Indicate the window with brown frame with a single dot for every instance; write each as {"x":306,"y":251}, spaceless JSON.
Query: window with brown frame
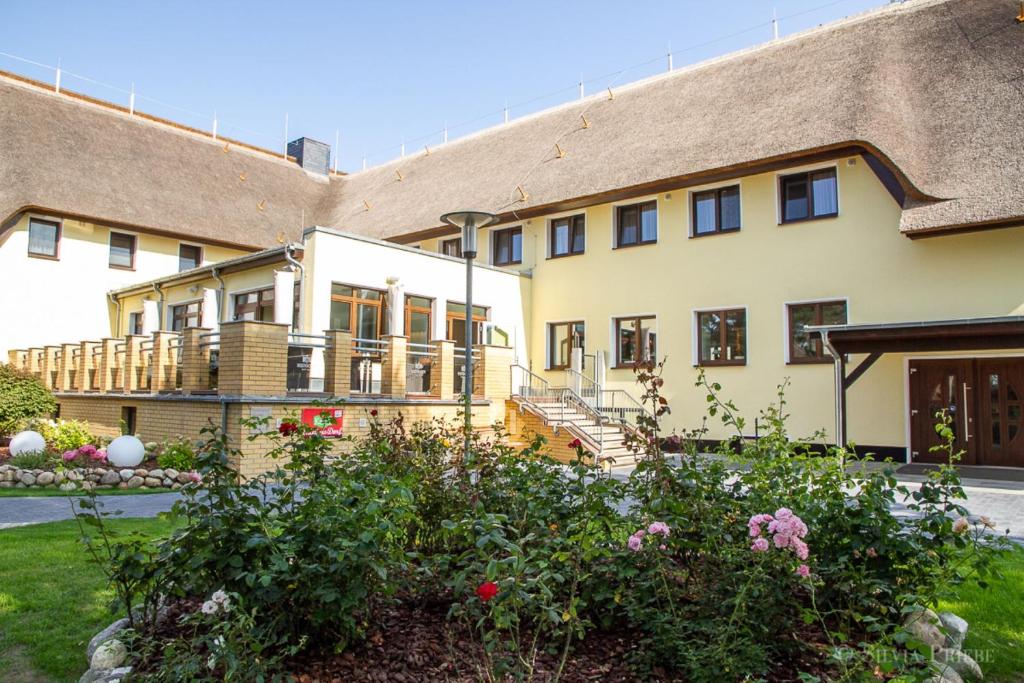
{"x":562,"y":339}
{"x":716,"y":211}
{"x":258,"y":305}
{"x":359,"y":310}
{"x":636,"y":340}
{"x":43,"y":238}
{"x":122,"y":251}
{"x":455,"y":323}
{"x":418,"y":318}
{"x":452,"y":247}
{"x":568,"y":236}
{"x":722,"y":337}
{"x":135,"y":322}
{"x":189,"y":256}
{"x":806,"y":196}
{"x":508,"y":246}
{"x":805,"y":347}
{"x":636,"y":224}
{"x":186,"y":315}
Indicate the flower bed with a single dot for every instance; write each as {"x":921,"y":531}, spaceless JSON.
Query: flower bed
{"x":412,"y":560}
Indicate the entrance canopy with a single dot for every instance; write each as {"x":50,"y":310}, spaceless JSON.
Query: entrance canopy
{"x":875,"y":339}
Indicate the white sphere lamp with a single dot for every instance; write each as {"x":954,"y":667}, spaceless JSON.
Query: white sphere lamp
{"x":27,"y":442}
{"x":125,"y":451}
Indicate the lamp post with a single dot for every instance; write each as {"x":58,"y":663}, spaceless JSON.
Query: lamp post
{"x":469,"y":222}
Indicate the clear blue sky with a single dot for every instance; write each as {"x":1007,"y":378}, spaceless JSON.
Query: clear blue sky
{"x":378,"y":71}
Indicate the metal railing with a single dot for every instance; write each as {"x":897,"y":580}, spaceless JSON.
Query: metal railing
{"x":306,"y":362}
{"x":526,"y":383}
{"x":367,"y":364}
{"x":459,"y":378}
{"x":418,"y":365}
{"x":211,"y":340}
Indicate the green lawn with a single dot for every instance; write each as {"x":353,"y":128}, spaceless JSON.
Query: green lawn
{"x":52,"y":601}
{"x":50,"y":493}
{"x":996,"y":617}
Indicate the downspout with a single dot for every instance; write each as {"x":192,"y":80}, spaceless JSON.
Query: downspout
{"x":837,"y":365}
{"x":160,"y":309}
{"x":220,"y":297}
{"x":114,"y":299}
{"x":289,"y":256}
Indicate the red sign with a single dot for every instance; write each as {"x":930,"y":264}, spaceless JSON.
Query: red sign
{"x":326,"y":421}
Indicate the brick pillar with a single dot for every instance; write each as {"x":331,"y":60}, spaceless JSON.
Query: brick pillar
{"x":338,"y":363}
{"x":85,"y":367}
{"x":495,"y":372}
{"x":253,"y":358}
{"x":18,"y":358}
{"x":49,"y":365}
{"x":65,"y":365}
{"x":442,"y":375}
{"x":132,"y":362}
{"x":392,"y":373}
{"x":32,"y":360}
{"x":195,"y":361}
{"x":107,"y":365}
{"x":165,"y":361}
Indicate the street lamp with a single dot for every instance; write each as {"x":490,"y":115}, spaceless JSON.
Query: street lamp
{"x":469,"y":222}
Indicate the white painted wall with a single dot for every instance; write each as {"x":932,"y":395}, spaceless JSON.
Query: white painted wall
{"x":334,"y":257}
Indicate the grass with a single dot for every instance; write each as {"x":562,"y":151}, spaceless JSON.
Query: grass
{"x":51,"y":493}
{"x":52,"y":600}
{"x":996,"y":634}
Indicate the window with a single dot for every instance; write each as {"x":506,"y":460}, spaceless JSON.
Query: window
{"x":122,"y":251}
{"x":186,"y":315}
{"x":43,"y":238}
{"x":358,"y":310}
{"x":135,"y":322}
{"x":636,"y":224}
{"x":568,"y":236}
{"x":455,"y":323}
{"x":508,"y":246}
{"x":189,"y":256}
{"x":716,"y":211}
{"x":722,"y":337}
{"x":562,"y":339}
{"x":418,"y":319}
{"x":258,"y":306}
{"x":809,"y":195}
{"x":805,"y":347}
{"x":452,"y":247}
{"x":636,"y":340}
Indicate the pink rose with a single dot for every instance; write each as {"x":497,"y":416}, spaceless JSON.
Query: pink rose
{"x":635,"y":543}
{"x":87,"y":450}
{"x":803,"y":570}
{"x":195,"y":477}
{"x":68,"y":456}
{"x":99,"y":455}
{"x":659,"y":528}
{"x":760,"y":545}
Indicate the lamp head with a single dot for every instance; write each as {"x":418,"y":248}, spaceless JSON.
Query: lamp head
{"x":469,"y":222}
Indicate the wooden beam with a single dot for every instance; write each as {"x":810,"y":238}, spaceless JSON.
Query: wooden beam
{"x":861,"y":369}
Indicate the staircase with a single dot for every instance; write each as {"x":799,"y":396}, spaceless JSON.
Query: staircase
{"x":564,"y":411}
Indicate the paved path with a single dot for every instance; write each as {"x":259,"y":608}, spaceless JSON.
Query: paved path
{"x":999,"y":500}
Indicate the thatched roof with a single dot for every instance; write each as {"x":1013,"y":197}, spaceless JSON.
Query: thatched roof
{"x":933,"y":88}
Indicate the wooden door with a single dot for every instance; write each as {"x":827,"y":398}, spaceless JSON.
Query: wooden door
{"x":935,"y":386}
{"x":1000,"y":405}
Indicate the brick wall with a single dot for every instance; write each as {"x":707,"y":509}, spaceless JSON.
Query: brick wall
{"x":523,"y":425}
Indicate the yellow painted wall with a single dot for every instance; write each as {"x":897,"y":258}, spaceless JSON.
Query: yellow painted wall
{"x":53,"y":301}
{"x":859,"y":255}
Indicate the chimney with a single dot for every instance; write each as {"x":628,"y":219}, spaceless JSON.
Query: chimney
{"x":312,"y":155}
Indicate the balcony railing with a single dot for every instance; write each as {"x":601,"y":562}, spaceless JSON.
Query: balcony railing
{"x":459,"y":380}
{"x":211,"y":341}
{"x":367,"y":365}
{"x":419,"y":362}
{"x":306,"y":362}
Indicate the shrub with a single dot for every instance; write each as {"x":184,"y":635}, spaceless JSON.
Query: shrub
{"x":31,"y":461}
{"x":178,"y":455}
{"x":67,"y":435}
{"x":21,"y":396}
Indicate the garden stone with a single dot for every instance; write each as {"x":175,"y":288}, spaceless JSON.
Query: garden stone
{"x":68,"y":486}
{"x":142,"y":473}
{"x":106,"y":634}
{"x":962,"y":664}
{"x":136,"y":482}
{"x":924,"y":626}
{"x":123,"y":485}
{"x":183,"y":478}
{"x":59,"y":477}
{"x":956,"y":630}
{"x":74,"y":475}
{"x":171,"y":473}
{"x":110,"y":478}
{"x":45,"y":478}
{"x":20,"y":485}
{"x":166,"y":482}
{"x":92,"y":477}
{"x":152,"y":482}
{"x":6,"y":484}
{"x":156,"y":474}
{"x":175,"y":486}
{"x":109,"y":655}
{"x":27,"y":478}
{"x":100,"y":471}
{"x":88,"y":486}
{"x":126,"y":474}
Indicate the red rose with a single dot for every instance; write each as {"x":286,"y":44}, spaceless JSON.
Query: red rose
{"x":487,"y":590}
{"x":288,"y":428}
{"x":373,"y":413}
{"x":575,"y":443}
